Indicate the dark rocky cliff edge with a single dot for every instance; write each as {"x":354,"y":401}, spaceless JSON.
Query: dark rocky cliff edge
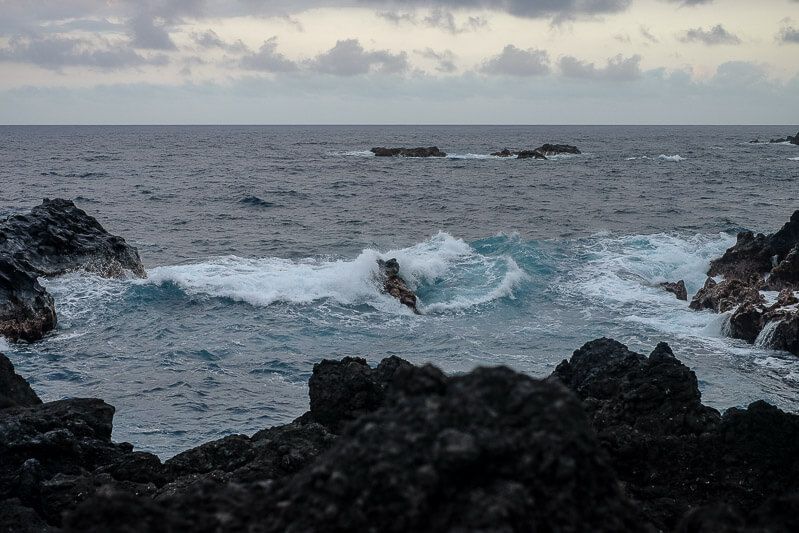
{"x":612,"y":441}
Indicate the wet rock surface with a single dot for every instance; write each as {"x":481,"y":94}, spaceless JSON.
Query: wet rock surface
{"x":405,"y":448}
{"x":14,"y":390}
{"x":394,"y":285}
{"x":56,"y":237}
{"x":677,"y":289}
{"x":758,"y":262}
{"x":431,"y":151}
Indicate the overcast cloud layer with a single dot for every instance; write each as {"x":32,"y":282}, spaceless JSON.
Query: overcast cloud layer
{"x":417,"y":61}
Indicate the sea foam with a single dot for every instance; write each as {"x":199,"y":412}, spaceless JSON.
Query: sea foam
{"x":435,"y":261}
{"x":674,"y":158}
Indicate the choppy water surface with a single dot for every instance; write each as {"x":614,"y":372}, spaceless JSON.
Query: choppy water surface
{"x":260,"y":243}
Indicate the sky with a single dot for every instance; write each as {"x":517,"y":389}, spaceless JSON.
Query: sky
{"x":399,"y":62}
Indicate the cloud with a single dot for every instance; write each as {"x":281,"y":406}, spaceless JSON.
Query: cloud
{"x":648,"y":35}
{"x":788,"y":35}
{"x":55,"y":53}
{"x":268,"y":59}
{"x":715,"y":35}
{"x":445,"y":60}
{"x":445,"y":20}
{"x":148,"y":33}
{"x":618,"y":68}
{"x":209,"y":39}
{"x":690,"y":2}
{"x":348,"y":58}
{"x":513,"y":61}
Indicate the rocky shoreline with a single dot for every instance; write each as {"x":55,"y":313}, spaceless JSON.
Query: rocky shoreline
{"x":612,"y":441}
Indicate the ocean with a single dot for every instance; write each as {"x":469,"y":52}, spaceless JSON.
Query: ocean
{"x":261,"y":246}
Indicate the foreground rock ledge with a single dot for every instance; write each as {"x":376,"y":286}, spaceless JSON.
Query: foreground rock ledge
{"x":612,"y":441}
{"x":56,"y":237}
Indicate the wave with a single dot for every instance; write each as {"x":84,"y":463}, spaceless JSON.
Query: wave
{"x":793,"y":159}
{"x":622,"y":274}
{"x":446,"y":272}
{"x":476,"y":156}
{"x":353,"y":153}
{"x":674,"y":158}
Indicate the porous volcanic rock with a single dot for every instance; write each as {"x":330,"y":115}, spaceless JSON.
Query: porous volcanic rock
{"x":54,"y":238}
{"x":14,"y":390}
{"x":393,"y":284}
{"x":676,"y":288}
{"x":431,"y":151}
{"x":724,"y":296}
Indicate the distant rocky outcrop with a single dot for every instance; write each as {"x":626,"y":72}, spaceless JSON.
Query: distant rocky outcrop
{"x":557,"y":149}
{"x":56,"y":237}
{"x":404,"y":448}
{"x":432,"y":151}
{"x":530,"y":154}
{"x":755,"y":263}
{"x":788,"y":139}
{"x":393,"y":284}
{"x":539,"y":153}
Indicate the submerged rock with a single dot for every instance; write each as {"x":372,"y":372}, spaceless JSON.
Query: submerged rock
{"x":393,"y":284}
{"x":54,"y":238}
{"x":432,"y":151}
{"x":676,"y":288}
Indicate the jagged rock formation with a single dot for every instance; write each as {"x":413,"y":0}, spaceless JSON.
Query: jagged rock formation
{"x":432,"y":151}
{"x":625,"y":445}
{"x":56,"y":237}
{"x":676,"y":288}
{"x":758,"y":262}
{"x":393,"y":284}
{"x":539,"y":153}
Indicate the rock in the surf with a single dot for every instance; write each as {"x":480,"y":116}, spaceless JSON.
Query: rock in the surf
{"x":676,"y":288}
{"x":557,"y":149}
{"x":431,"y":151}
{"x":503,"y":153}
{"x":27,"y":310}
{"x":786,"y":274}
{"x":530,"y":154}
{"x":757,"y":254}
{"x":56,"y":237}
{"x":726,"y":295}
{"x":393,"y":284}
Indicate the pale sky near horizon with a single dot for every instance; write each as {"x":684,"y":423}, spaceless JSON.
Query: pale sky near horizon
{"x":383,"y":61}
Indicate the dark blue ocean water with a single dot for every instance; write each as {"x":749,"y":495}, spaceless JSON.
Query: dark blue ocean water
{"x":260,"y":243}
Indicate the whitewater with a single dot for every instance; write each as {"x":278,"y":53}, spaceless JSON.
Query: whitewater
{"x":261,"y":248}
